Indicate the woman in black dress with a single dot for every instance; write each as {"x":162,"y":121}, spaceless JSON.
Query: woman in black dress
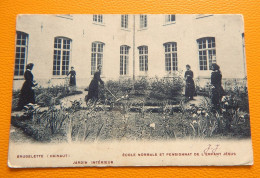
{"x":190,"y":86}
{"x":27,"y":93}
{"x":72,"y":74}
{"x":93,"y":87}
{"x":217,"y":90}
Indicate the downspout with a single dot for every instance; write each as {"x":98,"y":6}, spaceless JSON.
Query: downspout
{"x":133,"y":47}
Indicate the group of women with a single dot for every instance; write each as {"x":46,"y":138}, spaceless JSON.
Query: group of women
{"x":216,"y":85}
{"x":27,"y":93}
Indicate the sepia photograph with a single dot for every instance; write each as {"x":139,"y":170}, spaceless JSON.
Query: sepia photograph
{"x":130,"y":90}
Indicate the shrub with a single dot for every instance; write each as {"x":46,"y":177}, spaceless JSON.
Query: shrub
{"x":166,"y":88}
{"x":117,"y":88}
{"x":46,"y":96}
{"x":141,"y":85}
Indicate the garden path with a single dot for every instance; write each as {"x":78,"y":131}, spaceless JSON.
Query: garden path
{"x":80,"y":97}
{"x":199,"y":100}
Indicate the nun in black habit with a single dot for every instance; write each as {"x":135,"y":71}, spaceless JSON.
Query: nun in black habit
{"x":27,"y":93}
{"x":94,"y":85}
{"x":217,"y":89}
{"x":190,"y":86}
{"x":72,"y":74}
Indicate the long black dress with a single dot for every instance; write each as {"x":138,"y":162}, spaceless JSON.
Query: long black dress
{"x":190,"y":86}
{"x":72,"y":74}
{"x":93,"y":87}
{"x":217,"y":90}
{"x":27,"y":93}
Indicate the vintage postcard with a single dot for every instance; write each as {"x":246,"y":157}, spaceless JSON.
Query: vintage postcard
{"x":129,"y":90}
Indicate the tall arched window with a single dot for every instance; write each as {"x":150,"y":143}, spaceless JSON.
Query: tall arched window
{"x":96,"y":55}
{"x":143,"y":58}
{"x":171,"y":59}
{"x":124,"y":59}
{"x":21,"y":53}
{"x":61,"y":55}
{"x":207,"y":52}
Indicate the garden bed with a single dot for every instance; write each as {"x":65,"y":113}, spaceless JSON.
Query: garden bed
{"x":137,"y":111}
{"x":119,"y":124}
{"x":46,"y":96}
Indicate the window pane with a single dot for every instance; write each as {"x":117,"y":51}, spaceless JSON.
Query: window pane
{"x":20,"y":53}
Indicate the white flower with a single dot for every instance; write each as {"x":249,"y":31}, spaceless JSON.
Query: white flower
{"x":199,"y":112}
{"x":206,"y":114}
{"x":194,"y":115}
{"x":152,"y":125}
{"x":194,"y":122}
{"x":226,"y":103}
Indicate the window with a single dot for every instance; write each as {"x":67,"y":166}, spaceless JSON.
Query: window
{"x":170,"y":18}
{"x":124,"y":21}
{"x":143,"y":58}
{"x":61,"y":56}
{"x":171,"y":60}
{"x":143,"y":21}
{"x":65,"y":16}
{"x":207,"y":52}
{"x":199,"y":16}
{"x":20,"y":53}
{"x":98,"y":18}
{"x":96,"y":56}
{"x":124,"y":56}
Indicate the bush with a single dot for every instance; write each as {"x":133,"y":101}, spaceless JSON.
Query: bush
{"x":117,"y":88}
{"x":46,"y":96}
{"x":141,"y":85}
{"x":166,"y":88}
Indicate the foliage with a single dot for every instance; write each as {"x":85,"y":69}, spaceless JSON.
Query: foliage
{"x":129,"y":118}
{"x":141,"y":86}
{"x":166,"y":88}
{"x":46,"y":96}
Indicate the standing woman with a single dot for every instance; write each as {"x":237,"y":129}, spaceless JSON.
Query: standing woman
{"x":190,"y":86}
{"x":217,"y":90}
{"x":27,"y":93}
{"x":72,"y":74}
{"x":93,"y":87}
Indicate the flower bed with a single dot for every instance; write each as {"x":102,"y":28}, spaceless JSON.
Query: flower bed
{"x":46,"y":96}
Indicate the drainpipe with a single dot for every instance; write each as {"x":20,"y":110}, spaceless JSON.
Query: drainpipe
{"x":133,"y":47}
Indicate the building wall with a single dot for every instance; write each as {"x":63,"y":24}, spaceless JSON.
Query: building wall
{"x":42,"y":29}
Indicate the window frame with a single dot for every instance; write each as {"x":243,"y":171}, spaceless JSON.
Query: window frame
{"x":171,"y":62}
{"x":124,"y":60}
{"x":60,"y":59}
{"x":95,"y":56}
{"x":98,"y":19}
{"x":207,"y":55}
{"x":124,"y":21}
{"x":168,"y":22}
{"x":25,"y":46}
{"x":143,"y":21}
{"x":143,"y":58}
